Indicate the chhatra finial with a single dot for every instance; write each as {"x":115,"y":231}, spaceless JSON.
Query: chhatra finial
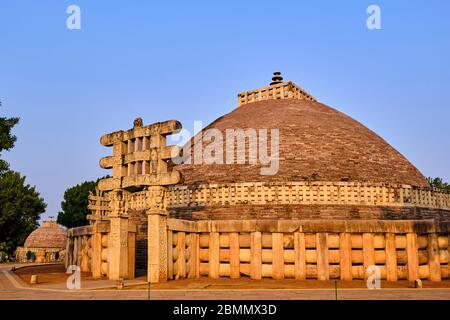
{"x":277,"y":78}
{"x":278,"y":89}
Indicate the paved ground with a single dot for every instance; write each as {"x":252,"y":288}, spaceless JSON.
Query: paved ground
{"x":12,"y":287}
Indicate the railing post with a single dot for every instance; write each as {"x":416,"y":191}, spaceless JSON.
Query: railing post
{"x":96,"y":252}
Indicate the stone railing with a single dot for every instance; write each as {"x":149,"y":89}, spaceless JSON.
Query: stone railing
{"x":87,"y":247}
{"x":259,"y":193}
{"x":182,"y":249}
{"x":403,"y":250}
{"x":284,"y":90}
{"x":291,"y":249}
{"x":79,"y":248}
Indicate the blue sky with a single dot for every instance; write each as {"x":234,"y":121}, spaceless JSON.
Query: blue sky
{"x":187,"y":60}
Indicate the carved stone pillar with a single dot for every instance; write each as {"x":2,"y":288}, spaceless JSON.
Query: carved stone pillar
{"x":118,"y":238}
{"x":118,"y":248}
{"x":96,"y":251}
{"x":157,"y":234}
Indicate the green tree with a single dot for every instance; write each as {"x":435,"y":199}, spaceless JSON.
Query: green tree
{"x":74,"y":206}
{"x":438,"y":183}
{"x":20,"y":208}
{"x":20,"y":204}
{"x":7,"y":140}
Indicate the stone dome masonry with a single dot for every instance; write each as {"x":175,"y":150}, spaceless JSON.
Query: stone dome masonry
{"x":49,"y":235}
{"x":317,"y":143}
{"x":48,"y":243}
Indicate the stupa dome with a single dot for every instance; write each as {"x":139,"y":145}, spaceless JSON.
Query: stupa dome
{"x":48,"y":235}
{"x":329,"y":165}
{"x":316,"y":143}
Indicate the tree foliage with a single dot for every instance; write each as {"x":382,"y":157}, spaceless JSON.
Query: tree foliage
{"x":7,"y":139}
{"x":20,"y":204}
{"x":20,"y":208}
{"x":74,"y":206}
{"x":438,"y":183}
